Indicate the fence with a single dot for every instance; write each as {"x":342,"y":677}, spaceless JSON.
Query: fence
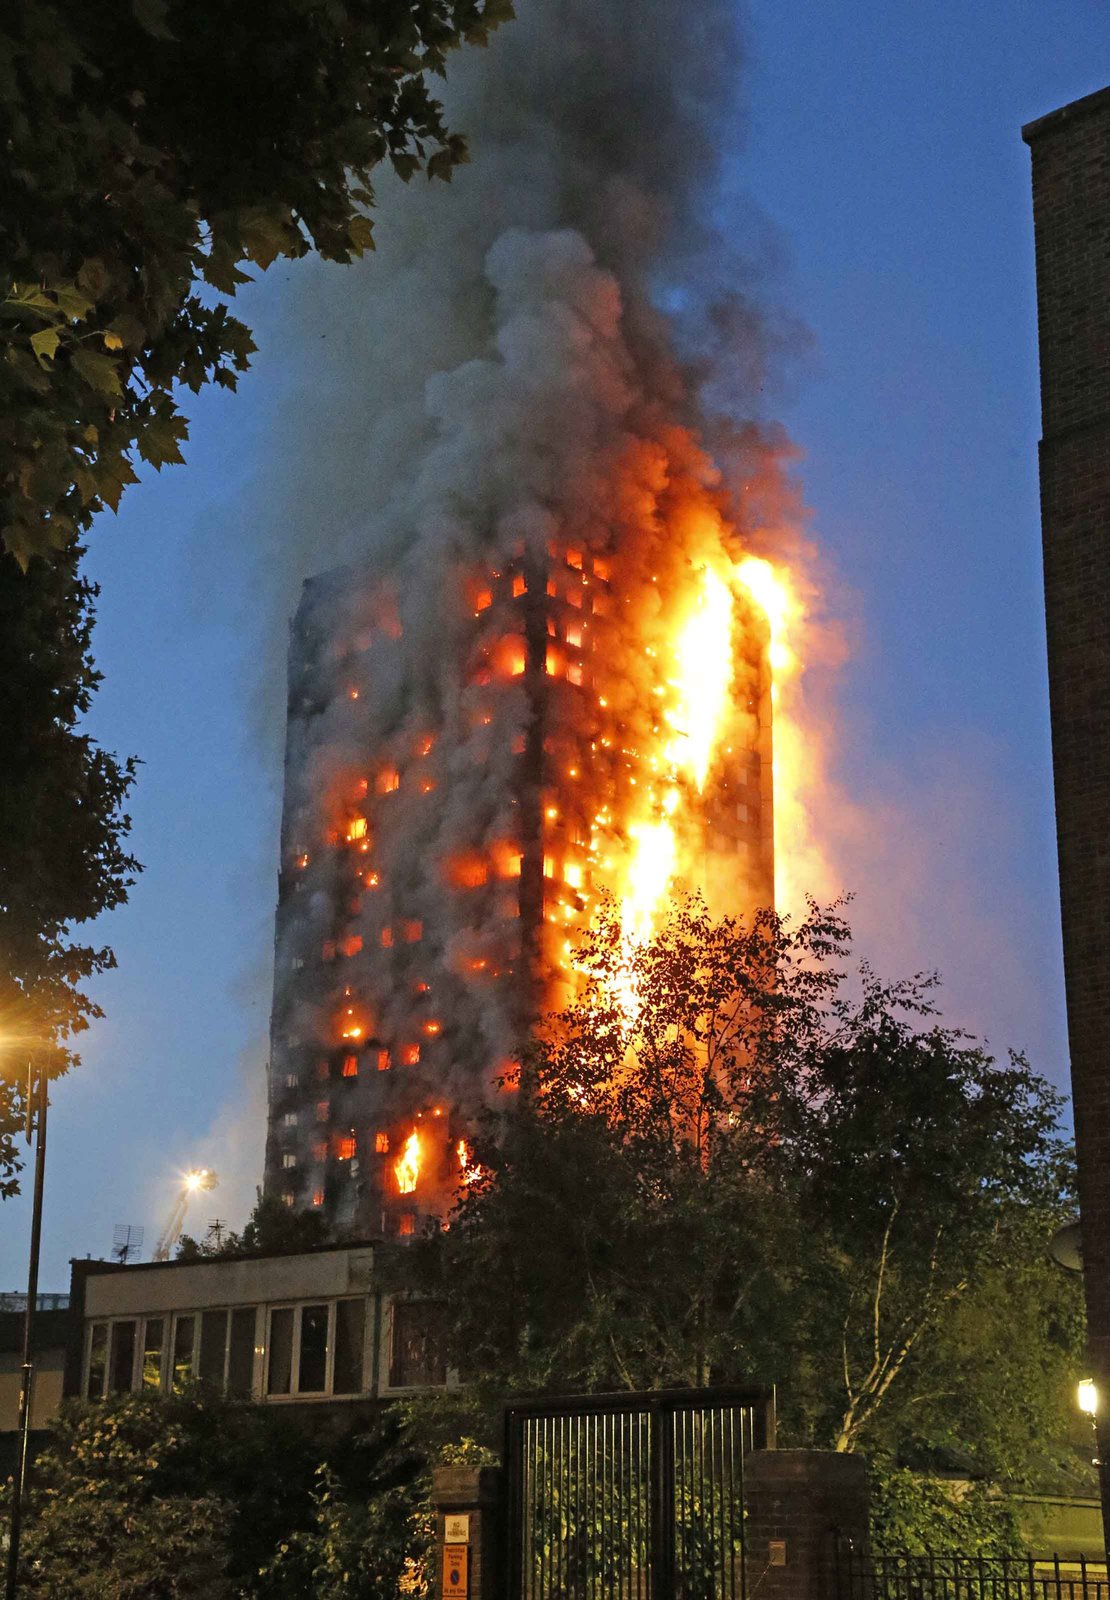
{"x":631,"y":1497}
{"x":953,"y":1577}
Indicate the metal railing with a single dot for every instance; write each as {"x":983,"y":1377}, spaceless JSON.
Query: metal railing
{"x":862,"y":1576}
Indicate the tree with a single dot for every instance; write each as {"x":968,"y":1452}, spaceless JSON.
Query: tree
{"x":61,"y":825}
{"x":153,"y":151}
{"x":271,"y":1229}
{"x":732,"y":1159}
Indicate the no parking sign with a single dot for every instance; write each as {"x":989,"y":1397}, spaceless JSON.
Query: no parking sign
{"x":454,"y":1571}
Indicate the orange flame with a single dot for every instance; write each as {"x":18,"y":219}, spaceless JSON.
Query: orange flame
{"x":406,"y":1169}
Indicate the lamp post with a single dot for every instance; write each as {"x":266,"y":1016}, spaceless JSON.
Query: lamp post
{"x":1086,"y":1395}
{"x":36,"y":1111}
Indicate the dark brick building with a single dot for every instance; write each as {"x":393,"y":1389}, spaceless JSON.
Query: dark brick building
{"x":1071,"y":203}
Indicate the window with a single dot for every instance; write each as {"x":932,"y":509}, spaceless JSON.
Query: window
{"x":123,"y":1357}
{"x":184,"y":1330}
{"x":345,"y":1147}
{"x":291,"y":1080}
{"x":406,"y":1224}
{"x":289,"y":1120}
{"x":384,"y":1062}
{"x":98,"y":1361}
{"x":213,"y":1348}
{"x":153,"y":1335}
{"x":418,"y":1356}
{"x":350,"y":1066}
{"x":240,"y":1352}
{"x":410,"y":1055}
{"x":322,"y":1110}
{"x":279,"y":1372}
{"x":350,"y":1331}
{"x":288,"y":1160}
{"x":381,"y":1143}
{"x":312,"y":1368}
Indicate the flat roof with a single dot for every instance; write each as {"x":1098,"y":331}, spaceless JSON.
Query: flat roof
{"x":1055,"y":119}
{"x":92,"y":1264}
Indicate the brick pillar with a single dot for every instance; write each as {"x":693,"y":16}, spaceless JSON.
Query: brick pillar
{"x":473,"y":1494}
{"x":1071,"y":214}
{"x":800,"y":1505}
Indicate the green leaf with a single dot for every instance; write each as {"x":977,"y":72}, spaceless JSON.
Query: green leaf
{"x":71,"y":303}
{"x":264,"y":233}
{"x":360,"y":232}
{"x":158,"y":442}
{"x":99,"y":371}
{"x":404,"y":165}
{"x":45,"y":344}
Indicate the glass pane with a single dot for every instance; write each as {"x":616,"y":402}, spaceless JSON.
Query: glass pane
{"x":98,"y":1360}
{"x":279,"y":1376}
{"x":240,"y":1361}
{"x":152,"y":1353}
{"x":350,"y":1324}
{"x":213,"y":1347}
{"x":123,"y":1356}
{"x":312,"y":1375}
{"x":182,"y":1351}
{"x":418,"y":1358}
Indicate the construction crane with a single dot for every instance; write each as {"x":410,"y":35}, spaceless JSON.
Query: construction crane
{"x":191,"y":1184}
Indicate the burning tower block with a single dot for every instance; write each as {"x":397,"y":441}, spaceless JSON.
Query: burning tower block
{"x":466,"y":778}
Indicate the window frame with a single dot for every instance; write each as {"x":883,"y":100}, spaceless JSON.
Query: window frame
{"x":297,"y":1395}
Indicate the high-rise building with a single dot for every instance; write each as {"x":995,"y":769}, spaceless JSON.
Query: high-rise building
{"x":1071,"y":207}
{"x":458,"y":798}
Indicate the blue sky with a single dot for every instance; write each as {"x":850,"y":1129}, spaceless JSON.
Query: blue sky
{"x":883,"y":146}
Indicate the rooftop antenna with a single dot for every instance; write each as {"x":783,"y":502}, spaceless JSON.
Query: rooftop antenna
{"x":127,"y":1242}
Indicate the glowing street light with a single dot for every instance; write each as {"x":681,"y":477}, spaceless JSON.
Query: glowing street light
{"x":1086,"y":1396}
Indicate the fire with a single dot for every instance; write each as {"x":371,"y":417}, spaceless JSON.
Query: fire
{"x":406,"y":1169}
{"x":468,"y":1172}
{"x":703,"y":652}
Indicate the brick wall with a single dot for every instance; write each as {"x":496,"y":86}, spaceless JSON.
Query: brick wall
{"x":800,"y":1507}
{"x":1071,"y":204}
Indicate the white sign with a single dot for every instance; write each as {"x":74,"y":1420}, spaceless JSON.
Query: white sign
{"x":456,"y":1529}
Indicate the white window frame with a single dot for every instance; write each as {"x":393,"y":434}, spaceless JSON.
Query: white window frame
{"x":296,"y":1395}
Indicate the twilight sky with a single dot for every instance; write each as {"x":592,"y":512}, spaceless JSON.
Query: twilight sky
{"x":883,"y":147}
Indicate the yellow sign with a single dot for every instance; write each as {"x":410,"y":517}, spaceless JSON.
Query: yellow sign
{"x":454,"y":1571}
{"x":456,"y":1528}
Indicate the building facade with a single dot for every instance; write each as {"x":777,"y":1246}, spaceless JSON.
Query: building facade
{"x":455,"y":809}
{"x":1070,"y":151}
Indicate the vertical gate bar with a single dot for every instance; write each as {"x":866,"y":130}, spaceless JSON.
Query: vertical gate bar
{"x":732,"y":1505}
{"x":560,"y":1508}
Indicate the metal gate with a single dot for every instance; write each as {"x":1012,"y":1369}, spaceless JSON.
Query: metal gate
{"x":631,"y":1496}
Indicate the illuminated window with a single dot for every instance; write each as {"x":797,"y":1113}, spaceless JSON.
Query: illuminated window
{"x":549,"y":866}
{"x":552,"y":588}
{"x":519,"y":585}
{"x":553,"y":663}
{"x":386,"y":937}
{"x":384,"y":1063}
{"x":290,"y":1119}
{"x":469,"y":872}
{"x":388,"y":780}
{"x":574,"y":559}
{"x":287,"y":1198}
{"x":289,"y":1159}
{"x":350,"y":1066}
{"x":351,"y":945}
{"x":406,"y":1224}
{"x":574,"y":634}
{"x":602,"y":604}
{"x":573,"y":875}
{"x":345,"y":1147}
{"x":362,"y":788}
{"x":356,"y":829}
{"x":551,"y":629}
{"x":518,"y":745}
{"x":410,"y":1055}
{"x":601,"y":569}
{"x":574,"y":597}
{"x":317,"y":1197}
{"x":381,"y":1143}
{"x":483,"y":601}
{"x":574,"y":673}
{"x":291,"y":1080}
{"x":412,"y":931}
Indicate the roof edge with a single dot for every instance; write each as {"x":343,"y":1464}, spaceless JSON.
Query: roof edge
{"x":1064,"y":114}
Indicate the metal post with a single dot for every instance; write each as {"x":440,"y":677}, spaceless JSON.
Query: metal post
{"x":28,"y":1367}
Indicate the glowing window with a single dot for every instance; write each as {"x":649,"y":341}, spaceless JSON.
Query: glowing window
{"x":386,"y":937}
{"x":356,"y":829}
{"x":469,"y":872}
{"x":406,"y":1224}
{"x":549,"y":866}
{"x":573,"y":875}
{"x":412,"y":931}
{"x":574,"y":634}
{"x":574,"y":559}
{"x":483,"y":600}
{"x":289,"y":1159}
{"x":574,"y":598}
{"x":553,"y":663}
{"x":290,"y":1119}
{"x":317,"y":1197}
{"x":520,"y":585}
{"x":518,"y":745}
{"x":388,"y":780}
{"x":552,"y":632}
{"x":381,"y":1143}
{"x":351,"y":945}
{"x":574,"y":673}
{"x":602,"y":604}
{"x":410,"y":1055}
{"x":345,"y":1148}
{"x":350,"y":1066}
{"x":601,"y":569}
{"x":552,"y":588}
{"x":384,"y":1063}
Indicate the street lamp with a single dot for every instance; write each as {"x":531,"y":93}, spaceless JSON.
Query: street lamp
{"x":1086,"y":1395}
{"x":37,"y":1099}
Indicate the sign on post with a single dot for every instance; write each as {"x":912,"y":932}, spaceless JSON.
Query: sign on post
{"x":454,"y":1571}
